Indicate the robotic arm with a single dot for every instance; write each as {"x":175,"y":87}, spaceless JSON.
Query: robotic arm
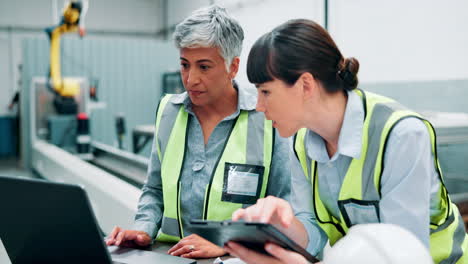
{"x":65,"y":89}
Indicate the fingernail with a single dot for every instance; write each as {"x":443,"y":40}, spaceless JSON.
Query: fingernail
{"x":269,"y":247}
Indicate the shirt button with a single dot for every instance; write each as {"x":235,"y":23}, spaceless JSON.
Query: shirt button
{"x":329,"y":165}
{"x":198,"y":165}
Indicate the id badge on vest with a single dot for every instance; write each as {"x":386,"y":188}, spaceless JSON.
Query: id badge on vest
{"x":242,"y":183}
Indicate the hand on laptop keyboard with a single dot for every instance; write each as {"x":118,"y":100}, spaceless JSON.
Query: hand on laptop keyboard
{"x":128,"y":238}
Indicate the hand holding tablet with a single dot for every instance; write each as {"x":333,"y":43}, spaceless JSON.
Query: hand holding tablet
{"x":252,"y":235}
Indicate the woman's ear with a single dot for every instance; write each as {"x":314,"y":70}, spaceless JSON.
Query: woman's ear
{"x":309,"y":84}
{"x":234,"y":68}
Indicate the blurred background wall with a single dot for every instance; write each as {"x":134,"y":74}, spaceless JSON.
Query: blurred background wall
{"x":414,"y":51}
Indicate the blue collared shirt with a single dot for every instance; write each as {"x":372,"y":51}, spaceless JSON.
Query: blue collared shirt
{"x":199,"y":163}
{"x":409,"y":163}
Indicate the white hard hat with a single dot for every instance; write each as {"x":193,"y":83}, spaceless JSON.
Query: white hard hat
{"x":378,"y":243}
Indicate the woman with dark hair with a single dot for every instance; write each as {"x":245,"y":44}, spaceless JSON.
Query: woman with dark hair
{"x":365,"y":158}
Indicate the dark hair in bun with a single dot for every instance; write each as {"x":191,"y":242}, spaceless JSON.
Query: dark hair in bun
{"x":300,"y":46}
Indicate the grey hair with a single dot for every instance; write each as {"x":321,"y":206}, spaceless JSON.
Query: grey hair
{"x":211,"y":27}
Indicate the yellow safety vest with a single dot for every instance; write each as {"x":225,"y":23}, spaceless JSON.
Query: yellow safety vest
{"x":362,"y":187}
{"x":249,"y":143}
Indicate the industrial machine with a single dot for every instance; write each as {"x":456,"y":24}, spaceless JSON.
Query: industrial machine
{"x":65,"y":89}
{"x":111,"y":177}
{"x":68,"y":125}
{"x":61,"y":146}
{"x":143,"y":134}
{"x":172,"y":83}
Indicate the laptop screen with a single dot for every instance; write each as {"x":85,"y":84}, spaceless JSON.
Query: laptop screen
{"x":45,"y":222}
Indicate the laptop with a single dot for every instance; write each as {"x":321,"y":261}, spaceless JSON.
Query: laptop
{"x":48,"y":222}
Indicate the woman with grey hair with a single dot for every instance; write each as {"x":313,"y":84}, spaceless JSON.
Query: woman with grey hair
{"x":212,"y":152}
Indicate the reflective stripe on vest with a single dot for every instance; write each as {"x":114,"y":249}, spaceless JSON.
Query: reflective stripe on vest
{"x":250,"y":141}
{"x":361,"y":185}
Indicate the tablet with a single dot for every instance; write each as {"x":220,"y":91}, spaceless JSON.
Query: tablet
{"x":252,"y":235}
